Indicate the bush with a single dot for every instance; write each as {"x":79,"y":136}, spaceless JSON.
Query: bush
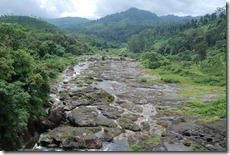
{"x":170,"y":80}
{"x":153,"y":60}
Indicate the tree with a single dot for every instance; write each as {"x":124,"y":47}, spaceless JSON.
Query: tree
{"x":201,"y":48}
{"x":153,"y":60}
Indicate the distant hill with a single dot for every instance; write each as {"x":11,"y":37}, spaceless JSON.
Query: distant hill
{"x":173,"y":18}
{"x":132,"y":15}
{"x":120,"y":26}
{"x":67,"y":22}
{"x":30,"y":22}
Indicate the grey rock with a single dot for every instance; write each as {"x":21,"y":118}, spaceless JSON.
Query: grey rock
{"x":176,"y":147}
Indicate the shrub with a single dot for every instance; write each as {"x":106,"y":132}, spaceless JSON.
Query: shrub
{"x":153,"y":60}
{"x":170,"y":80}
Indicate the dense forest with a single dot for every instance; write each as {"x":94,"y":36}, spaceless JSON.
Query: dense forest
{"x":195,"y":49}
{"x":31,"y":57}
{"x":33,"y":53}
{"x":121,"y":26}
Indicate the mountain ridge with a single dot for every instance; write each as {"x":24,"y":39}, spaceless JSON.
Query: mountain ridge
{"x":131,"y":15}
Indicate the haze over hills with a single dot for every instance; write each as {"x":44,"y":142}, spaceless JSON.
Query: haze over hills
{"x":31,"y":23}
{"x":66,"y":22}
{"x":130,"y":15}
{"x":119,"y":26}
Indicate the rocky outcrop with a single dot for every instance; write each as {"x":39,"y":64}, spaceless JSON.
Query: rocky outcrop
{"x":56,"y":117}
{"x":89,"y":117}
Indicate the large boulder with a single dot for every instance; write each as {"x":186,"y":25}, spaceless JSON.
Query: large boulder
{"x":72,"y":138}
{"x":110,"y":111}
{"x":89,"y":117}
{"x":55,"y":117}
{"x":127,"y":121}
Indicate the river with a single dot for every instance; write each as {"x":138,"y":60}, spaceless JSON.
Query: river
{"x":111,"y":105}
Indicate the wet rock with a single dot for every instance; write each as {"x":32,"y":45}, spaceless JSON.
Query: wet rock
{"x":69,"y":70}
{"x":207,"y":134}
{"x":88,"y":117}
{"x":82,"y":103}
{"x":103,"y":121}
{"x":141,"y":101}
{"x":55,"y":117}
{"x":145,"y":126}
{"x":110,"y":133}
{"x":71,"y":138}
{"x":52,"y":145}
{"x":65,"y":82}
{"x":110,"y":112}
{"x":73,"y":143}
{"x":131,"y":107}
{"x":45,"y":140}
{"x":83,"y":117}
{"x":176,"y":147}
{"x":92,"y":142}
{"x":127,"y":121}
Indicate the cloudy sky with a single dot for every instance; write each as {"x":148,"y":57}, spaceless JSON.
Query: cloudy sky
{"x":94,"y":9}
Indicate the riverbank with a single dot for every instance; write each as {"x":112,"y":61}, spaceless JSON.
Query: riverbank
{"x":110,"y":104}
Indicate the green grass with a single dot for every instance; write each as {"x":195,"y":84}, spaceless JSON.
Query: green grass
{"x":88,"y":81}
{"x":105,"y":97}
{"x":153,"y":140}
{"x":200,"y":91}
{"x":215,"y":108}
{"x":71,"y":134}
{"x":135,"y":148}
{"x":170,"y":80}
{"x":170,"y":77}
{"x":80,"y":84}
{"x":197,"y":147}
{"x":85,"y":98}
{"x":208,"y":119}
{"x":88,"y":131}
{"x":174,"y":73}
{"x":209,"y":112}
{"x":108,"y":99}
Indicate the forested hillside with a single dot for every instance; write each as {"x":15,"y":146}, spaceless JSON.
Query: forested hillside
{"x":67,"y":22}
{"x":31,"y":22}
{"x":29,"y":60}
{"x":196,"y":49}
{"x":119,"y":27}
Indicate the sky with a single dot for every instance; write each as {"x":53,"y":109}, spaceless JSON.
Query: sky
{"x":95,"y":9}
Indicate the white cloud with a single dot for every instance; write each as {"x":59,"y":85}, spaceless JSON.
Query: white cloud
{"x":82,"y":8}
{"x":94,"y":9}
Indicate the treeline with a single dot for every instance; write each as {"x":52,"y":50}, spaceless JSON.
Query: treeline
{"x":199,"y":43}
{"x":29,"y":60}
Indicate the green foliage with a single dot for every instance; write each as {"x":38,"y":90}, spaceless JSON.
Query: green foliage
{"x":29,"y":60}
{"x":210,"y":112}
{"x":199,"y":44}
{"x":197,"y":147}
{"x":105,"y":97}
{"x":171,"y":80}
{"x":200,"y":91}
{"x":108,"y":99}
{"x":30,"y":23}
{"x":209,"y":120}
{"x":135,"y":148}
{"x":153,"y":60}
{"x":216,"y":108}
{"x":153,"y":140}
{"x":71,"y":134}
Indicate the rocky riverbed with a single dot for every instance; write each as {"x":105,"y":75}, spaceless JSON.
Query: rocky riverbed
{"x":108,"y":104}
